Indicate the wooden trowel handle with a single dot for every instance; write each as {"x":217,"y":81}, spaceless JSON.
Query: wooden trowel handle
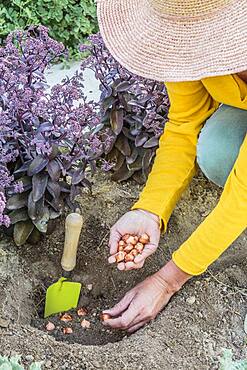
{"x":73,"y":226}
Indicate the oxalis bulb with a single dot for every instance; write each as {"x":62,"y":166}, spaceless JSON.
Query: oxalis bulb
{"x":104,"y":316}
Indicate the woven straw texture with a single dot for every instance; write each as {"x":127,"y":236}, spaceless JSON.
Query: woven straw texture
{"x":176,"y":40}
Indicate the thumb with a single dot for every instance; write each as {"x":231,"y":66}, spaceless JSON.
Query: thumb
{"x":115,"y":236}
{"x":121,"y":306}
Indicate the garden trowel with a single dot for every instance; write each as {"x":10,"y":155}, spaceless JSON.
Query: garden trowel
{"x":64,"y":294}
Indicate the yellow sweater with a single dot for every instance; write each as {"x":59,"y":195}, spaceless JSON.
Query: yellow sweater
{"x":191,"y":104}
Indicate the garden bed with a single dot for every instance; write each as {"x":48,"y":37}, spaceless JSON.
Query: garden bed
{"x":206,"y":316}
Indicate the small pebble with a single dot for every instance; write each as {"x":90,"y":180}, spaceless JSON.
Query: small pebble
{"x":29,"y":358}
{"x":191,"y":300}
{"x":4,"y":323}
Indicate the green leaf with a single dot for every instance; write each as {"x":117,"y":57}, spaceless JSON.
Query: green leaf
{"x":22,"y":230}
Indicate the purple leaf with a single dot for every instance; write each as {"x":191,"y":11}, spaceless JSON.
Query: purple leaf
{"x":37,"y":165}
{"x":39,"y":182}
{"x":122,"y":144}
{"x":35,"y":209}
{"x":154,"y":141}
{"x":54,"y":170}
{"x":116,"y":120}
{"x":23,"y":167}
{"x":123,"y":86}
{"x":77,"y":176}
{"x":18,"y":215}
{"x":131,"y":159}
{"x":141,"y":139}
{"x":137,"y":165}
{"x":54,"y":189}
{"x":122,"y":174}
{"x":147,"y":158}
{"x":17,"y":201}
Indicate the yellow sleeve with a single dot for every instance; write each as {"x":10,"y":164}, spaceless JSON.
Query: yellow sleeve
{"x":174,"y":164}
{"x":224,"y":224}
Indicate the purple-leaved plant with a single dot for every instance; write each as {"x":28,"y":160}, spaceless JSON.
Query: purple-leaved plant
{"x":48,"y":138}
{"x":133,"y":113}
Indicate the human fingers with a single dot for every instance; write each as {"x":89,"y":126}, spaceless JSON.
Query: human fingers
{"x":121,"y":305}
{"x":135,"y":327}
{"x":115,"y":236}
{"x":133,"y":266}
{"x":148,"y":250}
{"x":125,"y":320}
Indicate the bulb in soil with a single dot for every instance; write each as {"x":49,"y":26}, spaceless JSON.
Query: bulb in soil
{"x":85,"y":324}
{"x":144,"y":238}
{"x":128,"y":248}
{"x":82,"y":311}
{"x":139,"y":247}
{"x":120,"y":256}
{"x":129,"y":258}
{"x":50,"y":326}
{"x":66,"y":317}
{"x":67,"y":330}
{"x":104,"y":316}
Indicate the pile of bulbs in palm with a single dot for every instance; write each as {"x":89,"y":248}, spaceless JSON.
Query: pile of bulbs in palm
{"x":130,"y":246}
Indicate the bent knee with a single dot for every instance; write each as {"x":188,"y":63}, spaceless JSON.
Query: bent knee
{"x":219,"y":143}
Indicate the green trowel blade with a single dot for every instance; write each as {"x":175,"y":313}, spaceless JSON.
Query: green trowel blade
{"x":61,"y":296}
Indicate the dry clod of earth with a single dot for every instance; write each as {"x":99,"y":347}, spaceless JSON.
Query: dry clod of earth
{"x":184,"y":336}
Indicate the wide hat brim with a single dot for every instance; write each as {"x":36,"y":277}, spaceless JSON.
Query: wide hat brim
{"x":165,"y":48}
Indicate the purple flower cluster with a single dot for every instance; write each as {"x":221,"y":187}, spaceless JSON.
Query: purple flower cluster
{"x":42,"y":130}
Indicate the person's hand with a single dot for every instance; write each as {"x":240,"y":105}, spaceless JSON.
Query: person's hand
{"x":136,"y":222}
{"x":142,"y":303}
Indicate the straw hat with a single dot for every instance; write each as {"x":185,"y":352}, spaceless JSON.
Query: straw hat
{"x":176,"y":40}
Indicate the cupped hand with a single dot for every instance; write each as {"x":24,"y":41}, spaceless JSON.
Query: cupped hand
{"x":143,"y":303}
{"x":136,"y":222}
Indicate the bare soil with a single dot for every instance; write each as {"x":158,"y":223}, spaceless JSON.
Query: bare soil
{"x":206,"y":316}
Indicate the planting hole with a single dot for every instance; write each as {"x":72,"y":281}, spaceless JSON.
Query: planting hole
{"x":102,"y":287}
